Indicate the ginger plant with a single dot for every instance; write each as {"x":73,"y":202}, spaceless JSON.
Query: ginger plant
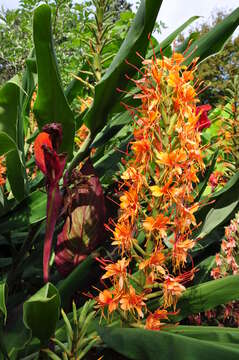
{"x":80,"y":339}
{"x":153,"y":232}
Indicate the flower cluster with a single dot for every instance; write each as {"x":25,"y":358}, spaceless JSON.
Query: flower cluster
{"x":226,"y":263}
{"x":154,"y":229}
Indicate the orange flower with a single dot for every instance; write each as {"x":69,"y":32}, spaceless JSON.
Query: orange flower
{"x":118,"y":271}
{"x":187,"y":76}
{"x":153,"y":321}
{"x":166,"y":190}
{"x":132,"y":302}
{"x":172,"y":291}
{"x":108,"y":298}
{"x":159,"y":223}
{"x":132,"y":175}
{"x":129,"y":203}
{"x":123,"y":236}
{"x":142,"y":150}
{"x":174,"y":160}
{"x":155,"y":262}
{"x":180,"y":251}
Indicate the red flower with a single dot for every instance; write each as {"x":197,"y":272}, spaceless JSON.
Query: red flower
{"x":203,"y":121}
{"x":52,"y":165}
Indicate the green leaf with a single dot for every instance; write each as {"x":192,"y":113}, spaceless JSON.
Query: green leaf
{"x":214,"y":40}
{"x":112,"y":128}
{"x":51,"y":104}
{"x":188,"y":41}
{"x":216,"y":213}
{"x":16,"y":339}
{"x":209,"y":171}
{"x":41,"y":312}
{"x":217,"y":216}
{"x":223,"y":335}
{"x":204,"y":269}
{"x":3,"y":318}
{"x":3,"y":309}
{"x":106,"y":94}
{"x":140,"y":344}
{"x":77,"y":279}
{"x":108,"y":164}
{"x":207,"y":296}
{"x":231,"y":186}
{"x":9,"y":138}
{"x":30,"y":211}
{"x":170,"y":38}
{"x":29,"y":82}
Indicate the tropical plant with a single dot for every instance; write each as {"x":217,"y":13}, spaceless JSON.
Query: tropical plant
{"x":58,"y":213}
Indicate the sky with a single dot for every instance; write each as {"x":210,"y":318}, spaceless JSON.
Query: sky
{"x":174,"y":12}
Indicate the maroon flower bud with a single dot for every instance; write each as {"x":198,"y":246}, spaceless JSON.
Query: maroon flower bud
{"x":203,"y":121}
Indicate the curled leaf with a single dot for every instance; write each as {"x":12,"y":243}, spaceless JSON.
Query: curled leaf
{"x":84,"y":226}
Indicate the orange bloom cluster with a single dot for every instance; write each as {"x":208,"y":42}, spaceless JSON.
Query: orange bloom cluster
{"x":154,"y":229}
{"x":226,"y":264}
{"x":226,"y":260}
{"x":2,"y":172}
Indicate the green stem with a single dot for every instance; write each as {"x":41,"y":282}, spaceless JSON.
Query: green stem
{"x":139,"y":249}
{"x":154,"y":295}
{"x":83,"y":152}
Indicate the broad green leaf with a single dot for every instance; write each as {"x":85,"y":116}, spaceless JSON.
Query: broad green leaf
{"x":51,"y":104}
{"x":223,"y":335}
{"x":222,"y":206}
{"x":15,"y":339}
{"x":41,"y":312}
{"x":204,"y":269}
{"x":209,"y":171}
{"x":231,"y":185}
{"x":112,"y":128}
{"x":140,"y":344}
{"x":207,"y":296}
{"x":3,"y":318}
{"x":217,"y":216}
{"x":3,"y":309}
{"x":5,"y":262}
{"x":108,"y":164}
{"x":214,"y":40}
{"x":10,"y":139}
{"x":106,"y":94}
{"x":29,"y":81}
{"x":77,"y":279}
{"x":30,"y":211}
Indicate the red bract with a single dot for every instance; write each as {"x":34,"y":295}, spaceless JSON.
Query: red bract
{"x":52,"y":165}
{"x":84,"y":226}
{"x":42,"y":139}
{"x":203,"y":121}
